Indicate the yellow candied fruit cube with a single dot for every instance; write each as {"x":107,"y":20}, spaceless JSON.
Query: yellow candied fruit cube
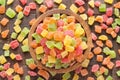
{"x":84,"y":45}
{"x":17,"y":22}
{"x":16,"y":77}
{"x":10,"y":71}
{"x":62,"y":6}
{"x":20,"y":38}
{"x":44,"y":33}
{"x":91,"y":3}
{"x":12,"y":56}
{"x":2,"y":59}
{"x":69,"y":48}
{"x":39,"y":50}
{"x":58,"y":1}
{"x":79,"y":31}
{"x":25,"y":42}
{"x":84,"y":16}
{"x":17,"y":28}
{"x":74,"y":8}
{"x":75,"y":77}
{"x":67,"y":40}
{"x":91,"y":20}
{"x":6,"y":46}
{"x":63,"y":16}
{"x":64,"y":54}
{"x":108,"y":1}
{"x":51,"y":59}
{"x":103,"y":37}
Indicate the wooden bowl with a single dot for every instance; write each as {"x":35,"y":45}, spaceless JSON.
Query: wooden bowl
{"x":80,"y":20}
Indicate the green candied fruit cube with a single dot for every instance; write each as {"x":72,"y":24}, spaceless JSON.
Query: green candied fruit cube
{"x":20,"y":15}
{"x":59,"y":45}
{"x":52,"y":27}
{"x":25,"y":48}
{"x":66,"y":76}
{"x":109,"y":78}
{"x":27,"y":77}
{"x":3,"y":2}
{"x":118,"y":73}
{"x":85,"y":63}
{"x":53,"y":73}
{"x":40,"y":78}
{"x":1,"y":68}
{"x":102,"y":8}
{"x":56,"y":16}
{"x":36,"y":37}
{"x":13,"y":35}
{"x":29,"y":61}
{"x":118,"y":39}
{"x":39,"y":1}
{"x":58,"y":64}
{"x":117,"y":20}
{"x":65,"y":65}
{"x":106,"y":50}
{"x":10,"y":13}
{"x":17,"y":22}
{"x":97,"y":73}
{"x":116,"y":12}
{"x":112,"y":54}
{"x":50,"y":65}
{"x":50,"y":44}
{"x":106,"y":72}
{"x":6,"y":53}
{"x":73,"y":42}
{"x":114,"y":25}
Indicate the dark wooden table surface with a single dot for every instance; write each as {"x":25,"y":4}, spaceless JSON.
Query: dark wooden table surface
{"x":35,"y":14}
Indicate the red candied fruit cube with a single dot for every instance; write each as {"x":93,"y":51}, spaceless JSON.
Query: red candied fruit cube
{"x":69,"y":32}
{"x":97,"y":3}
{"x":79,"y":50}
{"x":39,"y":29}
{"x":105,"y":17}
{"x":94,"y":37}
{"x":90,"y":12}
{"x":60,"y":23}
{"x":95,"y":68}
{"x":3,"y":74}
{"x":46,"y":50}
{"x":59,"y":56}
{"x":78,"y":70}
{"x":65,"y":60}
{"x":104,"y":26}
{"x":32,"y":5}
{"x":18,"y":57}
{"x":23,"y":2}
{"x":79,"y":2}
{"x":109,"y":11}
{"x":26,"y":10}
{"x":14,"y":44}
{"x":31,"y":73}
{"x":49,"y":3}
{"x":117,"y":63}
{"x":43,"y":42}
{"x":117,"y":29}
{"x":6,"y":66}
{"x":109,"y":21}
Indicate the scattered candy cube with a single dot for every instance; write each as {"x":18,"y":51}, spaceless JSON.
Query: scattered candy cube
{"x":26,"y":10}
{"x":18,"y":8}
{"x":62,"y":6}
{"x":23,"y":2}
{"x":2,"y":9}
{"x":102,"y":8}
{"x":4,"y":21}
{"x":10,"y":13}
{"x":9,"y":2}
{"x":14,"y":44}
{"x":74,"y":8}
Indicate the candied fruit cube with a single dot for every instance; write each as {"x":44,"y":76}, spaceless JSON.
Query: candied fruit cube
{"x":74,"y":8}
{"x":51,"y":59}
{"x":2,"y":9}
{"x":12,"y":56}
{"x":2,"y":59}
{"x":39,"y":1}
{"x":13,"y":35}
{"x":17,"y":28}
{"x":25,"y":48}
{"x":9,"y":2}
{"x":91,"y":3}
{"x":109,"y":1}
{"x":39,"y":50}
{"x":44,"y":33}
{"x":6,"y":46}
{"x":58,"y":1}
{"x":102,"y":8}
{"x":4,"y":21}
{"x":10,"y":13}
{"x":18,"y":8}
{"x":62,"y":6}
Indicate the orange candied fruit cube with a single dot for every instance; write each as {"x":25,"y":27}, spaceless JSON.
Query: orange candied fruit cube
{"x":99,"y":58}
{"x":110,"y":65}
{"x":84,"y":72}
{"x":18,"y":8}
{"x":70,"y":19}
{"x":4,"y":33}
{"x":2,"y":9}
{"x":81,"y":9}
{"x":113,"y":34}
{"x":42,"y":8}
{"x":109,"y":30}
{"x":32,"y":21}
{"x":97,"y":50}
{"x":90,"y":55}
{"x":4,"y":21}
{"x":58,"y":36}
{"x":99,"y":43}
{"x":98,"y":29}
{"x":102,"y":69}
{"x":50,"y":35}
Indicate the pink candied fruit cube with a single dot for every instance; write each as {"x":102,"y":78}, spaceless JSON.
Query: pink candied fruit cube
{"x":6,"y":66}
{"x":26,"y":10}
{"x":60,"y":23}
{"x":79,"y":2}
{"x":97,"y":3}
{"x":23,"y":2}
{"x":78,"y":70}
{"x":60,"y":28}
{"x":18,"y":57}
{"x":104,"y":26}
{"x":109,"y":21}
{"x":39,"y":29}
{"x":69,"y":32}
{"x":32,"y":73}
{"x":109,"y":11}
{"x":14,"y":44}
{"x":79,"y":50}
{"x":105,"y":17}
{"x":117,"y":29}
{"x":49,"y":3}
{"x":95,"y":68}
{"x":117,"y":63}
{"x":32,"y":5}
{"x":3,"y":74}
{"x":43,"y":42}
{"x":9,"y":77}
{"x":90,"y":12}
{"x":59,"y":56}
{"x":94,"y":37}
{"x":46,"y":50}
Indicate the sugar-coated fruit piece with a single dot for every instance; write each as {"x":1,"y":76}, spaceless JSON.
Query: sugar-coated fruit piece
{"x":84,"y":72}
{"x":110,"y":65}
{"x":84,"y":45}
{"x":81,"y":9}
{"x":9,"y":2}
{"x":85,"y":63}
{"x":117,"y":63}
{"x":109,"y":43}
{"x":101,"y":77}
{"x":31,"y":73}
{"x":99,"y":58}
{"x":66,"y":76}
{"x":116,"y":12}
{"x":102,"y":8}
{"x":3,"y":59}
{"x":17,"y":77}
{"x":26,"y":10}
{"x":2,"y":9}
{"x":32,"y":5}
{"x":97,"y":50}
{"x":99,"y":43}
{"x":6,"y":66}
{"x":44,"y":74}
{"x":17,"y":22}
{"x":109,"y":11}
{"x":75,"y":77}
{"x":13,"y":35}
{"x":103,"y":37}
{"x":20,"y":15}
{"x":62,"y":6}
{"x":6,"y":46}
{"x":5,"y":33}
{"x":91,"y":20}
{"x":3,"y":2}
{"x":49,"y":3}
{"x":25,"y":48}
{"x":99,"y":19}
{"x":79,"y":31}
{"x":117,"y":29}
{"x":58,"y":1}
{"x":109,"y":21}
{"x":27,"y":77}
{"x":52,"y":27}
{"x":105,"y":17}
{"x":18,"y":8}
{"x":12,"y":56}
{"x":42,"y":8}
{"x":4,"y":21}
{"x":91,"y":3}
{"x":44,"y":33}
{"x":10,"y":71}
{"x":18,"y":57}
{"x":97,"y":3}
{"x":39,"y":1}
{"x":17,"y":28}
{"x":98,"y":29}
{"x":104,"y":26}
{"x":51,"y":59}
{"x":31,"y":22}
{"x":79,"y":2}
{"x":23,"y":2}
{"x":39,"y":50}
{"x":109,"y":1}
{"x":10,"y":13}
{"x":6,"y":53}
{"x":58,"y":36}
{"x":74,"y":8}
{"x":84,"y":16}
{"x":94,"y":37}
{"x":14,"y":44}
{"x":90,"y":12}
{"x":109,"y":78}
